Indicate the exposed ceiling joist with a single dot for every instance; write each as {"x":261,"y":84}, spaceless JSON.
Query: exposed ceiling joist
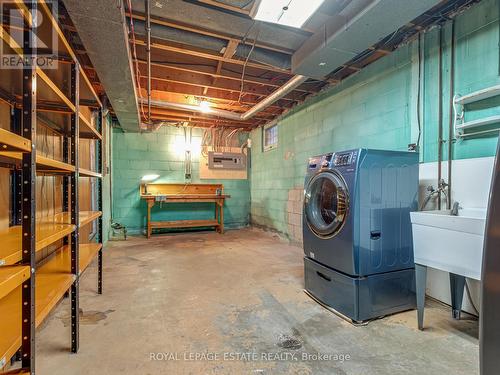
{"x":220,"y":22}
{"x":190,"y":79}
{"x":186,"y":50}
{"x":202,"y":121}
{"x":182,"y":97}
{"x":231,"y":8}
{"x":230,"y":75}
{"x":216,"y":34}
{"x":213,"y":93}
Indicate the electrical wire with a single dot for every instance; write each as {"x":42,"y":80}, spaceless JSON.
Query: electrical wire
{"x":469,"y":297}
{"x":419,"y":91}
{"x":245,"y":64}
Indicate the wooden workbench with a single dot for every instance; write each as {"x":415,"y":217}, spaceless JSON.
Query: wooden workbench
{"x":184,"y":193}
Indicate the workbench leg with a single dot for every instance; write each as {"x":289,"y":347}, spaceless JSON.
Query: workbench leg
{"x":148,"y":228}
{"x":221,"y":218}
{"x":217,"y":216}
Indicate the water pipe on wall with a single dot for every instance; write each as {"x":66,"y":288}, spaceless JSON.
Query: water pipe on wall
{"x":440,"y":108}
{"x":451,"y":125}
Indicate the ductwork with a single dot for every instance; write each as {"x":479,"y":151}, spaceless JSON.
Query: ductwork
{"x":282,"y":91}
{"x":101,"y":27}
{"x":360,"y":25}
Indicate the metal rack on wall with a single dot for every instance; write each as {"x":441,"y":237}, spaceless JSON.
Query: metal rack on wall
{"x":43,"y":257}
{"x":472,"y":128}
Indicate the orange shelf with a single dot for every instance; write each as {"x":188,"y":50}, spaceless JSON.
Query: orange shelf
{"x":87,"y":130}
{"x":11,"y":277}
{"x":88,"y":173}
{"x":46,"y":234}
{"x":10,"y":325}
{"x":85,"y":217}
{"x":46,"y":31}
{"x":43,"y":163}
{"x":88,"y":252}
{"x":53,"y":279}
{"x":12,"y":142}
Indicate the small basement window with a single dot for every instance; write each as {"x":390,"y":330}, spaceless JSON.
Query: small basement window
{"x":270,"y":137}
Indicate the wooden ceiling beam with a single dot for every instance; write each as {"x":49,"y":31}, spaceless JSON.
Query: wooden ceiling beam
{"x":220,"y":103}
{"x":198,"y":115}
{"x":179,"y":98}
{"x":212,"y":94}
{"x":222,"y":74}
{"x":199,"y":30}
{"x":231,"y":8}
{"x":207,"y":83}
{"x":206,"y":122}
{"x":210,"y":56}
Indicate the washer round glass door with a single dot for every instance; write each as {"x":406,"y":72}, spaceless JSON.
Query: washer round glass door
{"x":325,"y":204}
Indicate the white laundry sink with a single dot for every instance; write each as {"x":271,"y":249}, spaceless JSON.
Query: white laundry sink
{"x":450,"y":243}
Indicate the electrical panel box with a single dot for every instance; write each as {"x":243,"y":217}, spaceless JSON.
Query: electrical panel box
{"x":227,"y":161}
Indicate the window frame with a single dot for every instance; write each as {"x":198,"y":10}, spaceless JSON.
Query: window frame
{"x":265,"y":129}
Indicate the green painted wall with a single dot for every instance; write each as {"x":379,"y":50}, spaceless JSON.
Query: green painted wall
{"x":138,"y":154}
{"x":377,"y":108}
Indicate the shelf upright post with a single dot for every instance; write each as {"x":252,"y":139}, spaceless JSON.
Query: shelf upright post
{"x":65,"y":179}
{"x":75,"y":237}
{"x":99,"y":152}
{"x":29,"y":189}
{"x":16,"y":174}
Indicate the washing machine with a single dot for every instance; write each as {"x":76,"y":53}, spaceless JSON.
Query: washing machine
{"x":357,"y":232}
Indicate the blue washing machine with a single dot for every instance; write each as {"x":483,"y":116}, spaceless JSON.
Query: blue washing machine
{"x":357,"y":231}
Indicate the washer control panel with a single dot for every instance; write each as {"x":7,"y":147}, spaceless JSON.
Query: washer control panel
{"x":344,"y":158}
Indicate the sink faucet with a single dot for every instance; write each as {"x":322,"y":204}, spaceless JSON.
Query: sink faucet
{"x":431,"y":193}
{"x":454,"y":210}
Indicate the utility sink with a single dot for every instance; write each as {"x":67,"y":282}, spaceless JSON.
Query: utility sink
{"x":453,"y":244}
{"x":450,"y":243}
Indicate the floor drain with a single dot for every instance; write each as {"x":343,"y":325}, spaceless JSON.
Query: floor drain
{"x":288,"y":342}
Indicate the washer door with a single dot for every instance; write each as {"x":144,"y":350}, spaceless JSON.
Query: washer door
{"x":326,"y":203}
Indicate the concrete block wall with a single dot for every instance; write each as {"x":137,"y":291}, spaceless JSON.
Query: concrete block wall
{"x":377,"y":108}
{"x":162,"y":153}
{"x":294,"y":213}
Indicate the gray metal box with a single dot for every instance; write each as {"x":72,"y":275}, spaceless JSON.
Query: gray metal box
{"x":227,"y":160}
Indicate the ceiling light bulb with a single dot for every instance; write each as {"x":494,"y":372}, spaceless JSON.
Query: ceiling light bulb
{"x":149,"y":177}
{"x":205,"y":106}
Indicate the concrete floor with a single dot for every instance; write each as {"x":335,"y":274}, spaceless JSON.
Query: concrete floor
{"x":192,"y":303}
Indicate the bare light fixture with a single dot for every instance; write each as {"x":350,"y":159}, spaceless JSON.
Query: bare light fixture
{"x":205,"y":106}
{"x":148,"y":178}
{"x":292,"y":13}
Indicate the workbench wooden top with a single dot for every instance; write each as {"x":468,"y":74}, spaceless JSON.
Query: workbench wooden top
{"x":185,"y":196}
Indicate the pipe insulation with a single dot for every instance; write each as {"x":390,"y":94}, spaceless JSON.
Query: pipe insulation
{"x":292,"y":84}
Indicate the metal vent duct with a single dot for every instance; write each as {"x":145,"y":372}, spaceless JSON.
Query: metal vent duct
{"x":101,"y":26}
{"x":357,"y":27}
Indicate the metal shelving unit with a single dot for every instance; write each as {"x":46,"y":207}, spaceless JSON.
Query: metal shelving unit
{"x":462,"y":128}
{"x":29,"y":290}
